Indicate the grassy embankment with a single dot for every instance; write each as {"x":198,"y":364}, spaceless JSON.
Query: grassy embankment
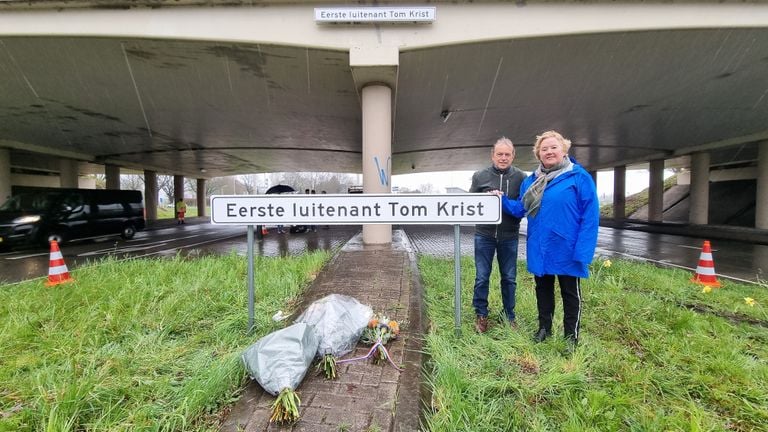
{"x":635,"y":202}
{"x":138,"y":344}
{"x":657,"y":353}
{"x":155,"y":345}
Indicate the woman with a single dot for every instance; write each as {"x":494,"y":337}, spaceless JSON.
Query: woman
{"x":560,"y":201}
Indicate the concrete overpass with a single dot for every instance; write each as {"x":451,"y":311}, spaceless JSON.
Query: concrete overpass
{"x":205,"y":88}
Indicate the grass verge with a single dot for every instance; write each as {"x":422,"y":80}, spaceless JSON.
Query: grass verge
{"x":137,"y":344}
{"x":656,"y":353}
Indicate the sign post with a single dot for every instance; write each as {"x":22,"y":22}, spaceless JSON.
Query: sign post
{"x":457,"y":279}
{"x":403,"y":209}
{"x":251,"y":293}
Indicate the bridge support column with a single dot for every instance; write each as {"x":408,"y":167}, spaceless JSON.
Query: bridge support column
{"x":377,"y":153}
{"x":699,"y":210}
{"x":374,"y":70}
{"x":619,"y":193}
{"x":150,"y":195}
{"x":5,"y":175}
{"x":656,"y":191}
{"x":68,"y":173}
{"x":761,"y":195}
{"x":201,"y":197}
{"x":112,"y":172}
{"x":178,"y":188}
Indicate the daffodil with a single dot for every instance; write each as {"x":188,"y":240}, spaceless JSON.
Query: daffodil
{"x":749,"y":300}
{"x":706,"y":289}
{"x":607,"y":263}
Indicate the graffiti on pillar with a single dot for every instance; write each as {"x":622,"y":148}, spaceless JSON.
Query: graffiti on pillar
{"x":383,"y":172}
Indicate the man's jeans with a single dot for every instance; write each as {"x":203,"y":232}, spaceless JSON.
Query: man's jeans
{"x":506,"y":251}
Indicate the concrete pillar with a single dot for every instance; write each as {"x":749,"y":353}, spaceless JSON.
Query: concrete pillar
{"x":699,"y":209}
{"x":656,"y":191}
{"x":761,"y":197}
{"x":150,"y":195}
{"x":112,"y":172}
{"x":178,"y":187}
{"x":201,"y":197}
{"x":619,"y":192}
{"x":377,"y":153}
{"x":68,"y":173}
{"x":5,"y":175}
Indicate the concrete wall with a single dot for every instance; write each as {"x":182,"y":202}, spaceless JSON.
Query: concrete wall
{"x":48,"y":181}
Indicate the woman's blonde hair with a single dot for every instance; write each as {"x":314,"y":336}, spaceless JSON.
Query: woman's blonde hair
{"x":566,"y":143}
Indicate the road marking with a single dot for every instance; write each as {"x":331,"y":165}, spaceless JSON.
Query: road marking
{"x":189,"y":246}
{"x":121,"y":249}
{"x":28,"y":256}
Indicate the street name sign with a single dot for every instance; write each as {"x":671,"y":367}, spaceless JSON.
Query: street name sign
{"x":332,"y":209}
{"x":375,"y":14}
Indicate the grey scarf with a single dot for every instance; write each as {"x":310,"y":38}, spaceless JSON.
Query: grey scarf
{"x":532,"y":197}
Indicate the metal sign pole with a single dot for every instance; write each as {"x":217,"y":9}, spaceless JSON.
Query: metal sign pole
{"x":250,"y":278}
{"x":457,"y":281}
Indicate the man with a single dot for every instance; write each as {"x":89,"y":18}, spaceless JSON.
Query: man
{"x":500,"y":240}
{"x":181,"y":209}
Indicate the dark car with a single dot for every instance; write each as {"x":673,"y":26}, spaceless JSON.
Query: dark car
{"x":36,"y":215}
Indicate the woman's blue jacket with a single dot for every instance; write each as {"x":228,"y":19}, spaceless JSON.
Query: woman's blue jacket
{"x":563,"y":235}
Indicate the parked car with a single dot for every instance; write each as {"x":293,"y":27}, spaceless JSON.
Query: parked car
{"x":39,"y":215}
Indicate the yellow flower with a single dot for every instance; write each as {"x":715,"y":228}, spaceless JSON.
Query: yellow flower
{"x":607,"y":263}
{"x":749,"y":300}
{"x":706,"y":289}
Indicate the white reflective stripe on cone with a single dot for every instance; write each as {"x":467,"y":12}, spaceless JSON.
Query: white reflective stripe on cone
{"x":57,"y":270}
{"x":705,"y":270}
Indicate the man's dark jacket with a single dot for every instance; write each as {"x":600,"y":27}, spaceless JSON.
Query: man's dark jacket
{"x":507,"y":181}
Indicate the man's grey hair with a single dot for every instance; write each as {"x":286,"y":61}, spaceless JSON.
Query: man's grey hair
{"x":504,"y":141}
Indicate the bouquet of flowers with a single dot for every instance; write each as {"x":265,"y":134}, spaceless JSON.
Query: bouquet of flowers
{"x":279,"y":361}
{"x":337,"y":321}
{"x":379,"y":332}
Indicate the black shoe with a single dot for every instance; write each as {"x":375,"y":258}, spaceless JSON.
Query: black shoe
{"x":570,"y":345}
{"x":541,"y":334}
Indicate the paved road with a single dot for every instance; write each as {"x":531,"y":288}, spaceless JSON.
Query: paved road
{"x":733,"y":259}
{"x":195,"y":238}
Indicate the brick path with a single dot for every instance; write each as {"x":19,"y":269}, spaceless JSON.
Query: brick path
{"x":365,"y":397}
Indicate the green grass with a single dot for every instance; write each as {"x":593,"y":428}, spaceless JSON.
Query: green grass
{"x":636,"y":201}
{"x":170,"y":213}
{"x":154,"y":345}
{"x":139,"y":344}
{"x":656,"y":353}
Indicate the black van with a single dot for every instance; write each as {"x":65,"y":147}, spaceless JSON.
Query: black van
{"x":39,"y":215}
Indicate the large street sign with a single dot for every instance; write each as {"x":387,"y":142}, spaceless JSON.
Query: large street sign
{"x":356,"y":209}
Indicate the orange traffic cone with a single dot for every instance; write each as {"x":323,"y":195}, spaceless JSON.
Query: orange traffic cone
{"x":705,"y":271}
{"x":264,"y":230}
{"x":57,"y":269}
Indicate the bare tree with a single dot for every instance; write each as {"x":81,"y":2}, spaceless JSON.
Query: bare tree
{"x":190,"y":184}
{"x":249,"y":183}
{"x":132,"y":182}
{"x":426,"y":188}
{"x":216,"y":185}
{"x":100,"y":180}
{"x":318,"y":181}
{"x":165,"y":184}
